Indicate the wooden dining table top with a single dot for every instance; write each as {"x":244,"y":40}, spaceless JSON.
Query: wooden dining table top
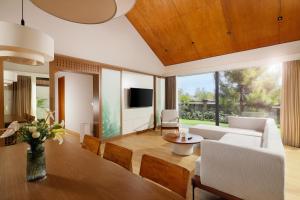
{"x":73,"y":174}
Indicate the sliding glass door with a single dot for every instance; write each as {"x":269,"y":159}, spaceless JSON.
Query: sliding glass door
{"x":196,"y":99}
{"x":211,"y":97}
{"x":252,"y":92}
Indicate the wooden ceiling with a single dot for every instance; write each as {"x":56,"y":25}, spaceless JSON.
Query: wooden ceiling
{"x":185,"y":30}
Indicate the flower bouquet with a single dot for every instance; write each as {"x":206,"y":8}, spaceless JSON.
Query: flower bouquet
{"x":35,"y":134}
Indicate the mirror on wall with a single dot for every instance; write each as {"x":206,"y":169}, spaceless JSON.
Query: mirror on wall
{"x":26,"y":92}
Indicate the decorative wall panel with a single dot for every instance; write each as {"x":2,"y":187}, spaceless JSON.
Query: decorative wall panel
{"x":111,"y":103}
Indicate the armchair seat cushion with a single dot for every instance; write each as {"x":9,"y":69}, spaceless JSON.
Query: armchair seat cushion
{"x":170,"y":124}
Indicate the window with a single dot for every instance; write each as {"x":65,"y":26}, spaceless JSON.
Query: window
{"x":253,"y":92}
{"x":196,"y":98}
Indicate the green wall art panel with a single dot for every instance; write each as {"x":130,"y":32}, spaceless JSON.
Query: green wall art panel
{"x":111,"y":103}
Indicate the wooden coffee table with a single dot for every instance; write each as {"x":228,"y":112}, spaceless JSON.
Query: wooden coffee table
{"x":182,"y":146}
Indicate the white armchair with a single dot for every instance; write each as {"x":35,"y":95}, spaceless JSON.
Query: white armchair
{"x":169,"y":120}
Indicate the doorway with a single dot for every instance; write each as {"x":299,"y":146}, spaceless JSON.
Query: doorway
{"x":61,"y":99}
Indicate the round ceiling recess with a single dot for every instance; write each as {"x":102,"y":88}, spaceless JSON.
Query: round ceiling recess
{"x":86,"y":12}
{"x":79,"y":11}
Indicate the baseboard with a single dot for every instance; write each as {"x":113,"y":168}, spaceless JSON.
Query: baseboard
{"x":118,"y":137}
{"x":126,"y":135}
{"x":143,"y":131}
{"x":113,"y":138}
{"x":72,"y":132}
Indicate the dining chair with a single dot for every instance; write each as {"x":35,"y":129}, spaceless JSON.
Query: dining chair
{"x":119,"y":155}
{"x":91,"y":143}
{"x":169,"y":120}
{"x":169,"y":175}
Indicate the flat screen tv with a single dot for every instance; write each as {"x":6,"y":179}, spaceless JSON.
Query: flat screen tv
{"x":139,"y":97}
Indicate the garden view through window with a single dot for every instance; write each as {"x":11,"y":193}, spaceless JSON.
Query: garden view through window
{"x":253,"y":92}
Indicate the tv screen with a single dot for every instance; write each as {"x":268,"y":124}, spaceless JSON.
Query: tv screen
{"x":139,"y":97}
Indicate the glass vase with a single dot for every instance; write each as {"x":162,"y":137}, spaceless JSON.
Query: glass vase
{"x":36,"y":163}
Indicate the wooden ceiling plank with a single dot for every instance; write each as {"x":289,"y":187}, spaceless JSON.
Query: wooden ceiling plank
{"x":208,"y":29}
{"x":168,"y":29}
{"x":290,"y":24}
{"x":253,"y":23}
{"x":177,"y":44}
{"x":145,"y":31}
{"x":184,"y":30}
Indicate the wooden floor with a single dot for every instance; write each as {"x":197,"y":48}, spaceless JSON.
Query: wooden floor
{"x":152,"y":143}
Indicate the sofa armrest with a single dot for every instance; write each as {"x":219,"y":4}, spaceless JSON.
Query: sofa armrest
{"x":243,"y":172}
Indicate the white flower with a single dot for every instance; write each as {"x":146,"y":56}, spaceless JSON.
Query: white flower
{"x":50,"y":114}
{"x":36,"y":134}
{"x":32,"y":129}
{"x":59,"y":138}
{"x":44,"y":138}
{"x":62,"y":123}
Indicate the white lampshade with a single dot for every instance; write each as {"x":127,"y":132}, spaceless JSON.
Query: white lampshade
{"x":24,"y":45}
{"x":87,"y":11}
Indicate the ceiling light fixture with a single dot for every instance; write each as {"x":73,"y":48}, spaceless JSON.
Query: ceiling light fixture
{"x":85,"y":12}
{"x":24,"y":45}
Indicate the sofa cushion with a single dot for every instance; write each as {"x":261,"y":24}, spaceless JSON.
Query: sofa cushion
{"x":241,"y":140}
{"x":170,"y":124}
{"x":217,"y":132}
{"x":253,"y":123}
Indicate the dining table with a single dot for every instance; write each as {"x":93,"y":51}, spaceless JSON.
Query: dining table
{"x":73,"y":173}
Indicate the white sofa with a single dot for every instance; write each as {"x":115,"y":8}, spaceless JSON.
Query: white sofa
{"x":246,"y":160}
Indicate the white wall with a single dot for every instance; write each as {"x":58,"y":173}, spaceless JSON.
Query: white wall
{"x":115,"y":42}
{"x":257,"y":57}
{"x":136,"y":119}
{"x":78,"y":100}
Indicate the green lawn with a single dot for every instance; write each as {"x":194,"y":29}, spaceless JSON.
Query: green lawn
{"x":193,"y":122}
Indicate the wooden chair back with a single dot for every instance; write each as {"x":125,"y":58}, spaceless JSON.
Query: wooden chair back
{"x":166,"y":174}
{"x":91,"y":143}
{"x":119,"y":155}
